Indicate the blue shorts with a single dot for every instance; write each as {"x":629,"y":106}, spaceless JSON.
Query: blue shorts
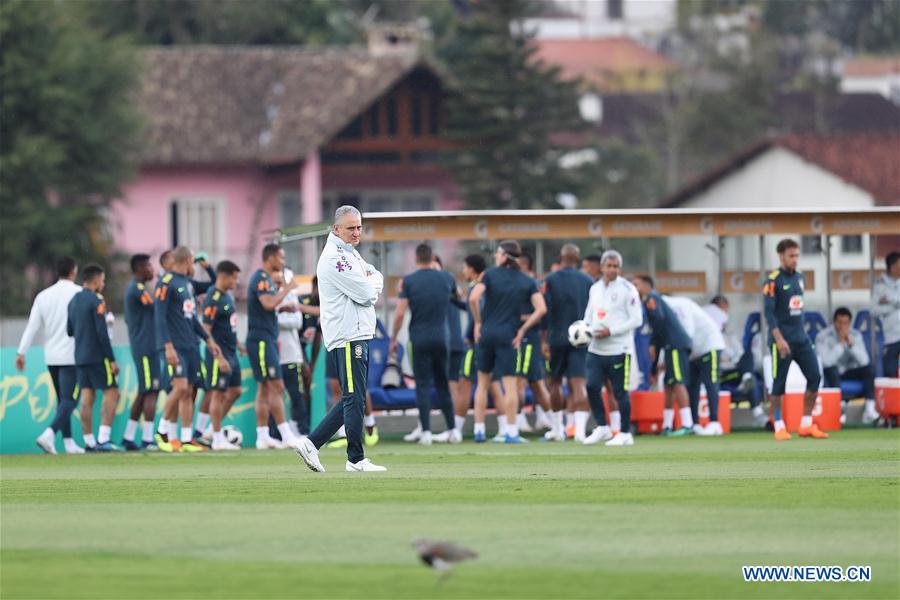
{"x":96,"y":376}
{"x":497,"y":358}
{"x":530,"y":362}
{"x":804,"y":354}
{"x":455,"y":365}
{"x":188,"y":367}
{"x":677,"y":366}
{"x":148,"y":369}
{"x":568,"y":361}
{"x":264,"y":359}
{"x":214,"y":378}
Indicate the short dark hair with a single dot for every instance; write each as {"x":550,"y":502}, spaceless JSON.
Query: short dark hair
{"x":164,"y":256}
{"x":270,"y":250}
{"x":646,"y":279}
{"x":65,"y":266}
{"x":227,"y":267}
{"x":719,"y":300}
{"x":842,"y":311}
{"x":594,"y":258}
{"x":91,"y":272}
{"x":424,"y":254}
{"x":890,"y":259}
{"x":528,"y":259}
{"x":476,"y":262}
{"x":137,"y":260}
{"x":785,"y":245}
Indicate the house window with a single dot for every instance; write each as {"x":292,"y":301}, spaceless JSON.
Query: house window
{"x":434,"y":115}
{"x":417,"y":115}
{"x":615,"y":10}
{"x":851,"y":244}
{"x":199,"y":224}
{"x":374,"y":120}
{"x":811,"y":244}
{"x":392,"y":116}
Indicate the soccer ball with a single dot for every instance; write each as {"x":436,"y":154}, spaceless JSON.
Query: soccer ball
{"x":233,"y":435}
{"x":579,"y":334}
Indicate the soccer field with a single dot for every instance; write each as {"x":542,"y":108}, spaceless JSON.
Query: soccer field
{"x":665,"y":518}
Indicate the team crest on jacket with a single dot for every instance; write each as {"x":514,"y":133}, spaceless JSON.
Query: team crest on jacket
{"x":343,"y":265}
{"x":357,"y":351}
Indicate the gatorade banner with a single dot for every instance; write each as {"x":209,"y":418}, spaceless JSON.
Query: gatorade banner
{"x":28,"y":401}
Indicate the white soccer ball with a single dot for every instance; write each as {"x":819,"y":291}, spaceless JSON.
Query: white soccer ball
{"x":233,"y":435}
{"x":579,"y":334}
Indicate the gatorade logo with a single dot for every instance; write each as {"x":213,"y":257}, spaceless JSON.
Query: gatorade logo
{"x":595,"y":227}
{"x":703,"y":408}
{"x":481,"y":229}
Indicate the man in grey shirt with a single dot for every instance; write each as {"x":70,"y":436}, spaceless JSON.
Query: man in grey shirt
{"x":843,"y":354}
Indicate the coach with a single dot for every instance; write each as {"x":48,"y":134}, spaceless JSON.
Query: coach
{"x":348,"y":290}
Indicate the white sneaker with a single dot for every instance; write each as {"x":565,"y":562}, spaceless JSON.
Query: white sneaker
{"x":542,"y":422}
{"x":555,"y":436}
{"x":414,"y":435}
{"x":293,"y":442}
{"x":870,"y":416}
{"x":760,"y":419}
{"x":456,"y":436}
{"x":71,"y":447}
{"x":621,"y":439}
{"x":306,"y":450}
{"x":498,"y":439}
{"x":425,"y":438}
{"x":579,"y":438}
{"x":698,"y":429}
{"x":224,"y":445}
{"x":712,"y":428}
{"x":442,"y":437}
{"x":262,"y":444}
{"x":600,"y":434}
{"x":47,"y":443}
{"x":365,"y":465}
{"x":276,"y":444}
{"x":207,"y":436}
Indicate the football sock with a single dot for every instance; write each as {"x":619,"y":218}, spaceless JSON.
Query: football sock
{"x":369,"y":420}
{"x":202,"y":422}
{"x":779,"y":425}
{"x":130,"y":430}
{"x":186,"y":435}
{"x":501,"y":424}
{"x":540,"y":412}
{"x":173,"y":430}
{"x":89,"y":440}
{"x":806,"y":421}
{"x":262,"y":434}
{"x":512,"y":431}
{"x":69,"y":444}
{"x":459,"y":422}
{"x":581,"y":419}
{"x":103,"y":434}
{"x":615,"y":421}
{"x":478,"y":428}
{"x":163,"y":428}
{"x":686,"y":419}
{"x":148,"y":432}
{"x":218,"y":437}
{"x":285,"y":430}
{"x":668,"y":418}
{"x":570,"y":417}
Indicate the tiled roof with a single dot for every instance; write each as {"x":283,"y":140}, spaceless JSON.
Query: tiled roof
{"x":596,"y":59}
{"x":227,"y":104}
{"x":872,"y":66}
{"x":870,"y":161}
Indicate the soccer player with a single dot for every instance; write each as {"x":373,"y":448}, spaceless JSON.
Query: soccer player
{"x":612,"y":314}
{"x":707,"y":345}
{"x":455,"y":360}
{"x":223,"y":372}
{"x":473,"y":270}
{"x":530,"y":362}
{"x":499,"y":330}
{"x":166,"y":261}
{"x":566,"y":292}
{"x":178,"y":331}
{"x":886,"y":306}
{"x":426,"y":293}
{"x":783,"y":296}
{"x":668,"y":335}
{"x":293,"y":360}
{"x":94,"y":360}
{"x":844,"y":356}
{"x":142,"y":337}
{"x":349,"y":288}
{"x":592,"y":266}
{"x":50,"y":313}
{"x":262,"y":346}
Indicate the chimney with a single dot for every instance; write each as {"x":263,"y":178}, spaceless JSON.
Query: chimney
{"x":396,"y":38}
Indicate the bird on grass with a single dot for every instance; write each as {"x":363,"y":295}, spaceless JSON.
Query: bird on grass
{"x":441,"y":555}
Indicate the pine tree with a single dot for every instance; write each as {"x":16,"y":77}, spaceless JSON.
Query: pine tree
{"x":504,"y":111}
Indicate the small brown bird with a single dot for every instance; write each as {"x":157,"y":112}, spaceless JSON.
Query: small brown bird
{"x":440,"y":555}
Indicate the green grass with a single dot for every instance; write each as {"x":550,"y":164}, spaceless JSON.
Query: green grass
{"x":666,"y":518}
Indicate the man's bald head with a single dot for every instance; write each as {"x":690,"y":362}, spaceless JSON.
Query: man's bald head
{"x":570,"y":255}
{"x":183,"y":258}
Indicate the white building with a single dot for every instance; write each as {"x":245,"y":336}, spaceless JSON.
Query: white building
{"x":640,"y":19}
{"x":803,"y":171}
{"x":879,"y":75}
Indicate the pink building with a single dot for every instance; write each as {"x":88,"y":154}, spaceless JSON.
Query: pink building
{"x":241,"y":141}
